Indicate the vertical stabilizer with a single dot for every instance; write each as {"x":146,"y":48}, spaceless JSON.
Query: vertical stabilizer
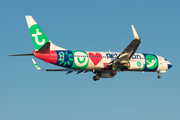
{"x":38,"y":36}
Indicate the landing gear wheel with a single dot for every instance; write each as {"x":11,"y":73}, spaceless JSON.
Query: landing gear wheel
{"x":159,"y":76}
{"x":112,"y":67}
{"x":96,"y":77}
{"x":113,"y":72}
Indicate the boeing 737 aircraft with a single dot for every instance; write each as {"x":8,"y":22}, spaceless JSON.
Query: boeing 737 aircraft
{"x":102,"y":64}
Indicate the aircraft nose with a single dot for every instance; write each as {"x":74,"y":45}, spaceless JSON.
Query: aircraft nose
{"x":169,"y":66}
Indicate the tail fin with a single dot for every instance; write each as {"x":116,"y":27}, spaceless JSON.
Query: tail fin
{"x":38,"y":36}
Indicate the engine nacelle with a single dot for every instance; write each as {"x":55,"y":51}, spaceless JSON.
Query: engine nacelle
{"x":106,"y":75}
{"x":135,"y":65}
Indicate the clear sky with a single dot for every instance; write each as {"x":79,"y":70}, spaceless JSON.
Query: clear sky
{"x":93,"y":25}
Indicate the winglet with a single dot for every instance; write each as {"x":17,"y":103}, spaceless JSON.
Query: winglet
{"x":136,"y":36}
{"x":36,"y":65}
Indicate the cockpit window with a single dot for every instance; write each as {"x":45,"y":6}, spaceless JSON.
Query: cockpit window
{"x":165,"y":59}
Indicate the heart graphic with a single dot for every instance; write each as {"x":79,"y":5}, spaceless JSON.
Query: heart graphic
{"x":95,"y":58}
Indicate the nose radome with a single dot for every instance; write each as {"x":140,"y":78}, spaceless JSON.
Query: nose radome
{"x":169,"y":66}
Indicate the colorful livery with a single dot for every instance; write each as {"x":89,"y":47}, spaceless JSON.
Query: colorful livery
{"x":103,"y":64}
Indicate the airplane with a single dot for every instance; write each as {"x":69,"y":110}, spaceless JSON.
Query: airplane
{"x":102,"y":64}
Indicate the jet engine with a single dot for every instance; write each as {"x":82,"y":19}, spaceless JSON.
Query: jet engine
{"x":135,"y":65}
{"x":106,"y":75}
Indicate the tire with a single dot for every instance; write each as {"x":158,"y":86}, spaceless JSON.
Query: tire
{"x":94,"y":78}
{"x":112,"y":73}
{"x":97,"y":77}
{"x":159,"y":76}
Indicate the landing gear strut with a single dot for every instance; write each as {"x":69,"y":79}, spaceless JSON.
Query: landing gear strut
{"x":112,"y":72}
{"x":159,"y":76}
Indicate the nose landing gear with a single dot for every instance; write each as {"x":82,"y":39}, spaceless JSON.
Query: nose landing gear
{"x":159,"y":76}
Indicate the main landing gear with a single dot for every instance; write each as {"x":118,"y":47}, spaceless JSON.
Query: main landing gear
{"x":96,"y":77}
{"x":112,"y":72}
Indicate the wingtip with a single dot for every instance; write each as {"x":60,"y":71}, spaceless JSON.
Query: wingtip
{"x":136,"y":36}
{"x":28,"y":16}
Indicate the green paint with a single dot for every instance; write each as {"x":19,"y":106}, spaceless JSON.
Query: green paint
{"x":64,"y":63}
{"x":69,"y":55}
{"x":68,"y":62}
{"x":36,"y":65}
{"x":142,"y":68}
{"x":119,"y":68}
{"x":71,"y":59}
{"x":139,"y":64}
{"x":61,"y":62}
{"x":80,"y":60}
{"x":38,"y":36}
{"x":78,"y":64}
{"x":151,"y":61}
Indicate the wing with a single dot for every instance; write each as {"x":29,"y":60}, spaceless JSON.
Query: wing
{"x":129,"y":51}
{"x":67,"y":70}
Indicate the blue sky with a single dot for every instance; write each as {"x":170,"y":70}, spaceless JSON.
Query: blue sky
{"x":98,"y":25}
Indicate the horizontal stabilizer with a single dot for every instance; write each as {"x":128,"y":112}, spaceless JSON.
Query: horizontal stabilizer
{"x":68,"y":70}
{"x":36,"y":65}
{"x":31,"y":54}
{"x":54,"y":69}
